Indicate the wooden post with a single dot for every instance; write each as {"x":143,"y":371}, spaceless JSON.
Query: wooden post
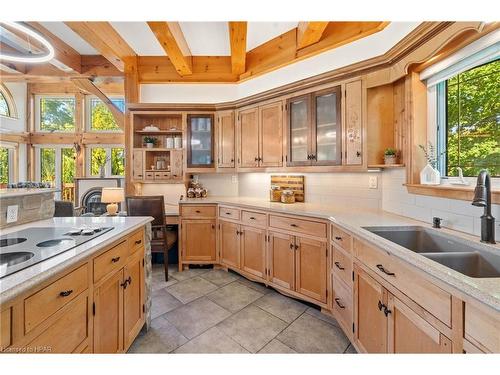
{"x":131,"y":96}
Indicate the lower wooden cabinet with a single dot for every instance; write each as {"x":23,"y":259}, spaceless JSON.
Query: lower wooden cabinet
{"x":384,"y":324}
{"x":198,"y":240}
{"x":281,"y":257}
{"x":253,"y":250}
{"x":229,"y":243}
{"x":108,"y":315}
{"x":119,"y":307}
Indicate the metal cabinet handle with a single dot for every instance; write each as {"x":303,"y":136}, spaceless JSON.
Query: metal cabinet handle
{"x":380,"y":306}
{"x":294,"y":225}
{"x":256,"y":159}
{"x":252,"y":218}
{"x":198,"y":211}
{"x":138,"y":242}
{"x":228,"y":213}
{"x":127,"y":281}
{"x":381,"y":268}
{"x":358,"y":153}
{"x":114,"y":260}
{"x":337,"y":301}
{"x":213,"y":226}
{"x":338,"y":238}
{"x":66,"y":293}
{"x":337,"y":264}
{"x":386,"y":311}
{"x":291,"y":246}
{"x":296,"y":247}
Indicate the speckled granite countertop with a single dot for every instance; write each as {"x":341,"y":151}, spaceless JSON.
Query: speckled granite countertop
{"x":19,"y":282}
{"x":485,"y":290}
{"x":9,"y":193}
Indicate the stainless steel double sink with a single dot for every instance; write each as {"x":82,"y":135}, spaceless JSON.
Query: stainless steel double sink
{"x":469,"y":258}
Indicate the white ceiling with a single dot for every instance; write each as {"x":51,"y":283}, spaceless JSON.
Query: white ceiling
{"x":261,"y":32}
{"x":139,"y":37}
{"x":68,"y":36}
{"x":207,"y":38}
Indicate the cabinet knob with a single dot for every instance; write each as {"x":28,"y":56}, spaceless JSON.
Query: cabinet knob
{"x":114,"y":260}
{"x":358,"y":153}
{"x":256,"y":158}
{"x":138,"y":242}
{"x":338,"y":238}
{"x":66,"y":293}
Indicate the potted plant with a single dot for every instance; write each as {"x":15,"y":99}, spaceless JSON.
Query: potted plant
{"x":390,"y":156}
{"x":150,"y":141}
{"x":429,"y":175}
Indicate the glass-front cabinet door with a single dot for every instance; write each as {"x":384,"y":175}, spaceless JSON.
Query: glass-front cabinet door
{"x":299,"y":131}
{"x":326,"y":137}
{"x":200,"y":148}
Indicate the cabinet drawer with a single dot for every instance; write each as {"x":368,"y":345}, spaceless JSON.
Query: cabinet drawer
{"x":158,"y":175}
{"x":341,"y":238}
{"x":68,"y":331}
{"x":47,"y":301}
{"x":198,"y":211}
{"x":342,"y":265}
{"x":229,"y":213}
{"x":416,"y":287}
{"x":312,"y":228}
{"x":254,"y":218}
{"x":136,"y":241}
{"x":342,"y":303}
{"x":483,"y":326}
{"x":150,"y":176}
{"x":111,"y":260}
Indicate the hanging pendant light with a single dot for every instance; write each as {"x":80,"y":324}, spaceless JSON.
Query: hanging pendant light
{"x":32,"y":34}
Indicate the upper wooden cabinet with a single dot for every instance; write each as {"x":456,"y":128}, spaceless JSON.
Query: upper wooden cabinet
{"x":225,"y":139}
{"x":200,"y":141}
{"x":353,"y":123}
{"x":260,"y":136}
{"x":315,"y":128}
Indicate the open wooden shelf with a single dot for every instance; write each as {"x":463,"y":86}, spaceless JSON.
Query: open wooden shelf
{"x":159,"y":132}
{"x":158,"y":149}
{"x":465,"y":193}
{"x":385,"y":166}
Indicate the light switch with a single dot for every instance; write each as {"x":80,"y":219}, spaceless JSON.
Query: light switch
{"x":373,"y":182}
{"x":12,"y":213}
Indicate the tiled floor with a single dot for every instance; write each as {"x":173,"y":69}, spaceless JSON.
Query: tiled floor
{"x":214,"y":311}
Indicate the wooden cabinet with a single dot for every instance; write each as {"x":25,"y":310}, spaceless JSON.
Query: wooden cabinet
{"x":200,"y":141}
{"x":253,"y":250}
{"x":108,"y":315}
{"x":261,"y":136}
{"x":225,"y":139}
{"x":138,"y":165}
{"x":353,"y":123}
{"x":198,"y":240}
{"x":248,"y":138}
{"x":133,"y":299}
{"x":315,"y":128}
{"x":282,"y":260}
{"x":229,"y":242}
{"x":311,"y":261}
{"x":176,"y":162}
{"x":370,"y":333}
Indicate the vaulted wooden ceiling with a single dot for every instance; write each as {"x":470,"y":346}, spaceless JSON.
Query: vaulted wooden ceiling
{"x":176,"y":49}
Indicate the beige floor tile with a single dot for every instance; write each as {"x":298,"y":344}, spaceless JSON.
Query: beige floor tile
{"x":256,"y":286}
{"x":350,"y":350}
{"x":219,"y":277}
{"x":318,"y":314}
{"x":196,"y":317}
{"x":234,"y":296}
{"x":159,"y":281}
{"x":252,"y":328}
{"x":309,"y":334}
{"x":187,"y":274}
{"x":162,"y":337}
{"x":211,"y":341}
{"x":276,"y":347}
{"x":161,"y":302}
{"x":285,"y":308}
{"x":191,"y":289}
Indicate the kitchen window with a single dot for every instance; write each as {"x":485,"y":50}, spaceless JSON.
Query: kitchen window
{"x":55,"y":113}
{"x":6,"y":165}
{"x":107,"y":160}
{"x":57,"y":164}
{"x":100,"y":118}
{"x":7,"y":106}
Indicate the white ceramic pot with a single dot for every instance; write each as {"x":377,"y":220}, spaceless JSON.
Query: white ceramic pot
{"x":150,"y":145}
{"x":390,"y":159}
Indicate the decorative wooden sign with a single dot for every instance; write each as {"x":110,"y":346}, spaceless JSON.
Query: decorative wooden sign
{"x":295,"y":183}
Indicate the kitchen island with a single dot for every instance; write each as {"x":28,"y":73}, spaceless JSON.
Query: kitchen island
{"x":89,"y":298}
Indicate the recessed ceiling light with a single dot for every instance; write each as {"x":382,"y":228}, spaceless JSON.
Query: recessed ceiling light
{"x":32,"y":58}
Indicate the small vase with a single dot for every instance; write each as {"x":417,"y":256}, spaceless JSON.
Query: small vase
{"x":389,"y":159}
{"x":430,"y":176}
{"x":149,"y":145}
{"x":102,"y":172}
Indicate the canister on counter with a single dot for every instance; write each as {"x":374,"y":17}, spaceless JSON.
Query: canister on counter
{"x":275,"y":193}
{"x":287,"y":196}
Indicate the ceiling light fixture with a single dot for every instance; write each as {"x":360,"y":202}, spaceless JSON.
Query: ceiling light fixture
{"x":32,"y":58}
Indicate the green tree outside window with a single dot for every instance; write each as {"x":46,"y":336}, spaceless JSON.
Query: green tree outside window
{"x":4,"y":165}
{"x":101,"y":117}
{"x":48,"y":165}
{"x":57,"y":114}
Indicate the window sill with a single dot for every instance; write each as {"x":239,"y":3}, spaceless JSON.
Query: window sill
{"x":465,"y":193}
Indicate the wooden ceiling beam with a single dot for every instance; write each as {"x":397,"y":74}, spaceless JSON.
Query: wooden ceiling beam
{"x":171,"y":38}
{"x":105,"y":39}
{"x":64,"y":53}
{"x":238,"y":41}
{"x":309,"y":33}
{"x":10,"y":67}
{"x":88,"y":86}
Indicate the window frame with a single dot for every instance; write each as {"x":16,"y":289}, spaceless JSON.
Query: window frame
{"x":107,"y":148}
{"x":11,"y":104}
{"x":37,"y":120}
{"x":88,"y":115}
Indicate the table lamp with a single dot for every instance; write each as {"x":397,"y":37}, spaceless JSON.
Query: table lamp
{"x":113,"y":196}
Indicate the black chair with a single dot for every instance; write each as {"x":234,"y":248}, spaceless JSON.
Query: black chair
{"x":64,"y":209}
{"x":154,"y":206}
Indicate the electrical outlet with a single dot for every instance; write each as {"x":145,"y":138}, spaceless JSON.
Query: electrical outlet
{"x":373,"y":182}
{"x":234,"y":179}
{"x":12,"y":213}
